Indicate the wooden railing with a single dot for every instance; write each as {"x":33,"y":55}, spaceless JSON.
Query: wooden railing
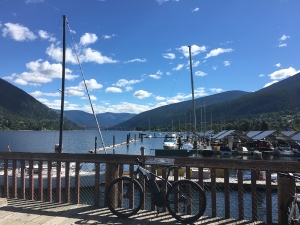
{"x":11,"y":184}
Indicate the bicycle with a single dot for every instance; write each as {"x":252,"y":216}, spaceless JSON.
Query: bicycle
{"x":292,"y":205}
{"x":184,"y":199}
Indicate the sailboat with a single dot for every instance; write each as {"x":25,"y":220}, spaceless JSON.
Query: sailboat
{"x":59,"y":147}
{"x":149,"y":134}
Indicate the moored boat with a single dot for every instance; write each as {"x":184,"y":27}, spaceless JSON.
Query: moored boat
{"x":170,"y":141}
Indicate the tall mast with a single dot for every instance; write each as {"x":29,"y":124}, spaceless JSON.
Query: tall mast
{"x":193,"y":98}
{"x":62,"y":85}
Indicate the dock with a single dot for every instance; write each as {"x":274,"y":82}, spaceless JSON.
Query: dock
{"x":28,"y":212}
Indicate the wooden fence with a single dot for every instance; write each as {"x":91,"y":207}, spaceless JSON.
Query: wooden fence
{"x":11,"y":184}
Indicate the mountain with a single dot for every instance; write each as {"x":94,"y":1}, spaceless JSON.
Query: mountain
{"x":279,"y":98}
{"x":19,"y":110}
{"x":104,"y":119}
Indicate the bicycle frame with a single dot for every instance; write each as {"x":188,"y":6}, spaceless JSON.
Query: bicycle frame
{"x":147,"y":176}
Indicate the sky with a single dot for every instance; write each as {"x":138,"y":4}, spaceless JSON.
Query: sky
{"x":133,"y":54}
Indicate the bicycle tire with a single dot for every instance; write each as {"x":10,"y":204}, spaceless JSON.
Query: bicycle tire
{"x":186,"y":201}
{"x":120,"y":205}
{"x":296,"y":211}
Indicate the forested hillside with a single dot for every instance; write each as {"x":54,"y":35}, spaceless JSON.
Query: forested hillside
{"x":20,"y":111}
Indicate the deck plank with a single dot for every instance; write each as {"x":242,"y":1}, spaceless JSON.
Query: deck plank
{"x":19,"y":211}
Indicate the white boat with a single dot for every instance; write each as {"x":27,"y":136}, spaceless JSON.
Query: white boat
{"x":242,"y":150}
{"x":170,"y":141}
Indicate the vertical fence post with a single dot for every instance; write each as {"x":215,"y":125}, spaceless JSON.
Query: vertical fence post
{"x":111,"y":173}
{"x":95,"y":145}
{"x":285,"y":188}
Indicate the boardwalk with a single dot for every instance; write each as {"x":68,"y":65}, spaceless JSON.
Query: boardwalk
{"x":35,"y":213}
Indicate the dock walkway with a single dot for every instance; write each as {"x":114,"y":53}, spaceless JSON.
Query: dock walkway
{"x":19,"y":211}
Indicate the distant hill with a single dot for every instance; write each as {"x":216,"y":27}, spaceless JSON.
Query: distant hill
{"x":19,"y":110}
{"x":281,"y":97}
{"x":164,"y":115}
{"x":104,"y":119}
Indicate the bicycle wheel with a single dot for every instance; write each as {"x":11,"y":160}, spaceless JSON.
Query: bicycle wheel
{"x":292,"y":210}
{"x":186,"y":201}
{"x":124,"y":197}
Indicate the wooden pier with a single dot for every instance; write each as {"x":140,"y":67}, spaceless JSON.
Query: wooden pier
{"x":19,"y":211}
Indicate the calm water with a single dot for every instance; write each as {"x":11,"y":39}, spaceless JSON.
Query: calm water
{"x":74,"y":141}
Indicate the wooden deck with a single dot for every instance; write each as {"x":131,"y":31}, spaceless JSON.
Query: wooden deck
{"x":20,"y":211}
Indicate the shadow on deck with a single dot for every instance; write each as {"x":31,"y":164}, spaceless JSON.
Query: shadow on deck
{"x":20,"y":211}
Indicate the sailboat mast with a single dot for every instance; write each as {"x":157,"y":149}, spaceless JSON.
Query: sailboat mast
{"x":193,"y":98}
{"x":62,"y":85}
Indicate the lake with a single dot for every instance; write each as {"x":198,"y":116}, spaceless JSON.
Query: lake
{"x":75,"y":141}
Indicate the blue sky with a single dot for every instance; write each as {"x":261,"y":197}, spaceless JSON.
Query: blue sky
{"x":134,"y":53}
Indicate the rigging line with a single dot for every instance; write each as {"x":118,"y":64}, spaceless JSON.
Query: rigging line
{"x":87,"y":89}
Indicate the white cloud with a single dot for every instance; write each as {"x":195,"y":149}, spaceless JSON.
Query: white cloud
{"x":179,"y":67}
{"x":270,"y":83}
{"x":226,"y":63}
{"x":17,"y":32}
{"x":128,"y":88}
{"x":195,"y":50}
{"x":33,"y":1}
{"x":284,"y":37}
{"x":218,"y":51}
{"x":88,"y":38}
{"x":141,"y":94}
{"x":40,"y":73}
{"x":44,"y":35}
{"x":113,"y":90}
{"x":154,"y":76}
{"x":39,"y":93}
{"x":282,"y":45}
{"x":93,"y":98}
{"x":161,"y":1}
{"x":108,"y":36}
{"x":159,"y":98}
{"x":214,"y":67}
{"x":136,"y":60}
{"x":200,"y":73}
{"x":278,"y":65}
{"x":169,"y":56}
{"x":124,"y":107}
{"x":195,"y":10}
{"x":91,"y":84}
{"x":283,"y":73}
{"x":124,"y":82}
{"x":196,"y":63}
{"x":71,"y":92}
{"x":216,"y":90}
{"x":85,"y":55}
{"x":90,"y":55}
{"x":261,"y":75}
{"x":159,"y":72}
